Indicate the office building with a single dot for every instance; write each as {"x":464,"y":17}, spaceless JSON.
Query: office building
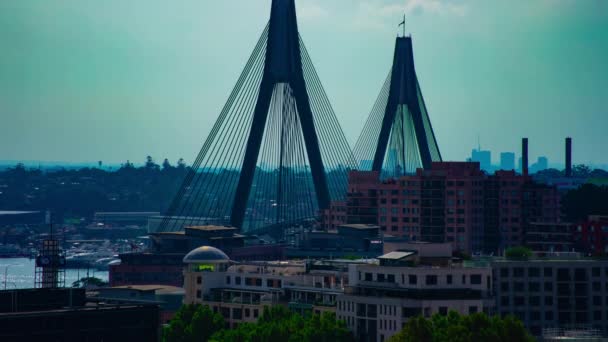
{"x":484,"y":158}
{"x":507,"y":161}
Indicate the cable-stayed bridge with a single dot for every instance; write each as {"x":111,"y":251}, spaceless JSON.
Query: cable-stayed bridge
{"x":276,"y":154}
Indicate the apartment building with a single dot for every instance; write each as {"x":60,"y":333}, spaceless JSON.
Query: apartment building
{"x":240,"y":291}
{"x":452,"y":202}
{"x":419,"y":279}
{"x":559,"y":290}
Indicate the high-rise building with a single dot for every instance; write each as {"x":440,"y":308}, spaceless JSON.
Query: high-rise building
{"x":483,"y":157}
{"x":507,"y":161}
{"x":450,"y":202}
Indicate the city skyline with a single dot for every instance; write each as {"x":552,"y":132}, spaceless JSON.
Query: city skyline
{"x":85,"y":82}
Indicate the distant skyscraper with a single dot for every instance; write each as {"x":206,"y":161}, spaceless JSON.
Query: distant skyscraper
{"x":507,"y":161}
{"x":483,"y":157}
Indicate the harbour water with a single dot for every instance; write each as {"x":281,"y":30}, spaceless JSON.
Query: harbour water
{"x":20,"y":273}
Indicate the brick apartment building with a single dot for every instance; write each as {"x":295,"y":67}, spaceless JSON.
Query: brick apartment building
{"x":452,"y":202}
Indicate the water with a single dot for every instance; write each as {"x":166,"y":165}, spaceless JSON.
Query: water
{"x":20,"y":273}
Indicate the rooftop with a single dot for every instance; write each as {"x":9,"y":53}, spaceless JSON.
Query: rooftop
{"x":211,"y":228}
{"x":205,"y":254}
{"x":397,"y":255}
{"x":360,"y":226}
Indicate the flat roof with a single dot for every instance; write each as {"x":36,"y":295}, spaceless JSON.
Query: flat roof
{"x":210,"y":228}
{"x":159,"y":288}
{"x":17,"y":212}
{"x":397,"y":255}
{"x":360,"y":226}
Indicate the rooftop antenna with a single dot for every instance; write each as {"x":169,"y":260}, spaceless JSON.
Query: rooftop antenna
{"x":403,"y":23}
{"x":478,"y":143}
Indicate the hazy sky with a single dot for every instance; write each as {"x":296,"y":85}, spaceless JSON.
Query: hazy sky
{"x":111,"y":80}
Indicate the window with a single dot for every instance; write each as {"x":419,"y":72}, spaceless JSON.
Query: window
{"x":237,"y":280}
{"x":380,"y":277}
{"x":198,"y":293}
{"x":535,"y":301}
{"x":548,"y":300}
{"x":237,"y":313}
{"x":431,"y":279}
{"x":472,"y":309}
{"x":548,"y":272}
{"x":475,"y":279}
{"x":518,"y":272}
{"x":534,"y":287}
{"x":255,"y":313}
{"x":228,"y":280}
{"x":548,"y":286}
{"x":533,"y":272}
{"x":449,"y":279}
{"x":199,"y":279}
{"x":368,"y":277}
{"x":390,"y":278}
{"x":413,"y":279}
{"x":504,"y":286}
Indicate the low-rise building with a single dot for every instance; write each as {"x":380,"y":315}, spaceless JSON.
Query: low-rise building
{"x":419,"y":279}
{"x":162,"y":262}
{"x":239,"y":291}
{"x":66,"y":314}
{"x":168,"y":298}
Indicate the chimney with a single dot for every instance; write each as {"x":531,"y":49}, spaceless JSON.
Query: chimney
{"x":568,"y":157}
{"x":524,"y":156}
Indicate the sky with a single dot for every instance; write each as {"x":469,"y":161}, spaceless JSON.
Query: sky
{"x":116,"y":80}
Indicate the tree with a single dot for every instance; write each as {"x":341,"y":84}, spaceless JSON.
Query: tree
{"x":89,"y":282}
{"x":586,"y":200}
{"x":181,"y":164}
{"x":193,"y":323}
{"x":150,"y":164}
{"x":454,"y":327}
{"x":518,"y":252}
{"x":581,"y":171}
{"x":167,"y":165}
{"x":278,"y":323}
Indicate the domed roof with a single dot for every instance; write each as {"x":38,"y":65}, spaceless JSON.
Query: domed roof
{"x":205,"y":254}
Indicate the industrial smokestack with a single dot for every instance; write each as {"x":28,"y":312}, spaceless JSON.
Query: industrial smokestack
{"x":524,"y":156}
{"x":568,"y":157}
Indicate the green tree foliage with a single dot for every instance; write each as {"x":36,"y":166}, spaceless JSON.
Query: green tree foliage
{"x":89,"y":282}
{"x":80,"y":193}
{"x":453,"y":327}
{"x":280,"y":324}
{"x":193,"y":322}
{"x":518,"y":252}
{"x":588,"y":199}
